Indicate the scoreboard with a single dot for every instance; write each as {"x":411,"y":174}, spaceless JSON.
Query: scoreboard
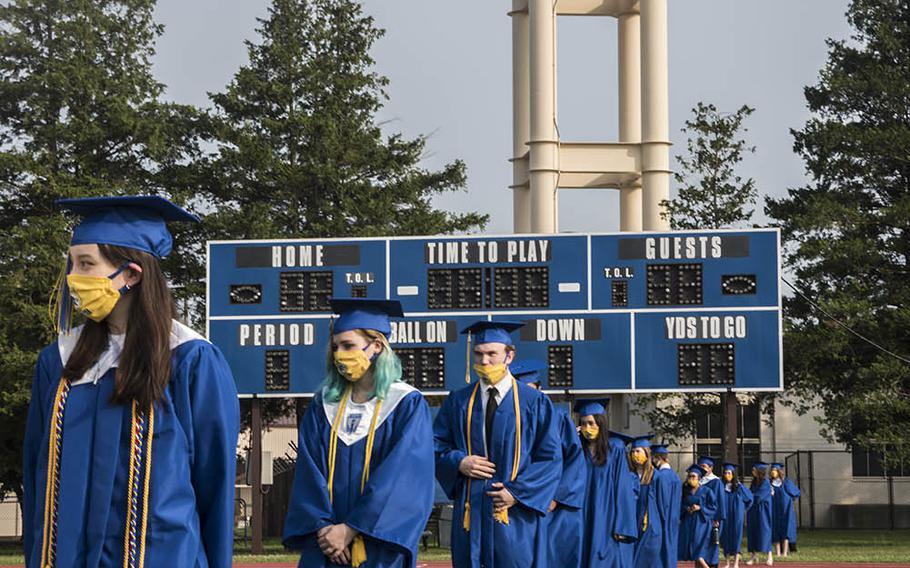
{"x":623,"y":312}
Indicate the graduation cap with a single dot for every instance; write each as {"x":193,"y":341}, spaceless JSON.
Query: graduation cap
{"x":760,"y":466}
{"x":591,"y":406}
{"x":660,"y":449}
{"x":705,"y":460}
{"x":642,"y":441}
{"x":730,"y":466}
{"x":528,"y":370}
{"x":620,"y":436}
{"x":776,"y":465}
{"x":131,"y":221}
{"x":364,"y":313}
{"x":484,"y":331}
{"x":696,"y":470}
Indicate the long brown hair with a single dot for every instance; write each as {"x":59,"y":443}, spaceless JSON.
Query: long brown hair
{"x":734,"y":482}
{"x":757,"y":477}
{"x":599,"y":447}
{"x":144,"y":368}
{"x":648,"y":474}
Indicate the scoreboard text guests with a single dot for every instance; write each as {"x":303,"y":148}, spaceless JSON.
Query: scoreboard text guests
{"x":618,"y":312}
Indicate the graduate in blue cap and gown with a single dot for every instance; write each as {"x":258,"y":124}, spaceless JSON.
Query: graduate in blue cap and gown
{"x":784,"y":524}
{"x":498,"y":457}
{"x":611,"y":495}
{"x":565,"y":518}
{"x":650,"y":519}
{"x":363,"y":484}
{"x":669,"y":496}
{"x":699,"y":504}
{"x":714,"y":483}
{"x":759,"y":517}
{"x":738,"y":499}
{"x":131,"y":437}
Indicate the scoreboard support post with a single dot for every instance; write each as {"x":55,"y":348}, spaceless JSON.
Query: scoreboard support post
{"x":256,"y":472}
{"x":731,"y":426}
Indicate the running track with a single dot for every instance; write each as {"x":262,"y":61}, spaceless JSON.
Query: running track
{"x":685,"y":565}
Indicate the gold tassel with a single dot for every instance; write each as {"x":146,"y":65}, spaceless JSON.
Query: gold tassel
{"x":467,"y":364}
{"x":467,"y":514}
{"x":502,"y":516}
{"x":358,"y":552}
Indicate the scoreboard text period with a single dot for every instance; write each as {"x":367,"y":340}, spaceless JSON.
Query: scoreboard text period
{"x":624,"y":312}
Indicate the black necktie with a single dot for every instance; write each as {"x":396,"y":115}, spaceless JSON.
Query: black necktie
{"x":491,"y":412}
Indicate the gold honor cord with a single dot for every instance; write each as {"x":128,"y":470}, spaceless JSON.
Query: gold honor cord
{"x":358,"y":547}
{"x":501,"y":516}
{"x":134,"y":548}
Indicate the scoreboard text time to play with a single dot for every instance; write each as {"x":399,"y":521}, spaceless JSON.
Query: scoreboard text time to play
{"x":625,"y":312}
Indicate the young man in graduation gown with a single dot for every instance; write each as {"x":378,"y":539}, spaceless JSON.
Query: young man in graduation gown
{"x":131,"y":438}
{"x":713,"y":483}
{"x":565,"y":518}
{"x":668,"y":490}
{"x":785,"y":491}
{"x":611,"y":490}
{"x":363,"y":485}
{"x":498,"y":457}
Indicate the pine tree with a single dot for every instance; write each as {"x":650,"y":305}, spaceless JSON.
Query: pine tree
{"x":846,"y":233}
{"x":79,"y":115}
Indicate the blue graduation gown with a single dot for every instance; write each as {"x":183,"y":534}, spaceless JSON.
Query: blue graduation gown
{"x":668,"y":490}
{"x":695,"y":529}
{"x":194,"y":448}
{"x":565,"y":522}
{"x":650,"y":536}
{"x":759,"y":518}
{"x":393,"y":509}
{"x":522,"y":543}
{"x":784,"y":524}
{"x":737,"y":502}
{"x":716,"y":485}
{"x":611,"y":498}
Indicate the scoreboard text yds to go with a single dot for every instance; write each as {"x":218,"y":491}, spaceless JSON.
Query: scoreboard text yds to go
{"x":623,"y":312}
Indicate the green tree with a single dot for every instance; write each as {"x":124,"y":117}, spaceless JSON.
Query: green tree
{"x":300,"y":153}
{"x":79,"y":115}
{"x":846,"y":235}
{"x":710,"y":195}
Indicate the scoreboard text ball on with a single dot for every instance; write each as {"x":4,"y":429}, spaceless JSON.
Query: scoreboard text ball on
{"x":627,"y":312}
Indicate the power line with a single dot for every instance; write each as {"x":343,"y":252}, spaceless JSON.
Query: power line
{"x":843,"y":325}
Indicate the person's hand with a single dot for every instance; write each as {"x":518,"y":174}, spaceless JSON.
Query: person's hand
{"x":343,"y":558}
{"x":333,"y":541}
{"x":694,"y":508}
{"x":551,"y":507}
{"x":477,"y":467}
{"x":716,"y":524}
{"x":502,"y":499}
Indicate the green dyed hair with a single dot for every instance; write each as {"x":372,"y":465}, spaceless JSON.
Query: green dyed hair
{"x":386,"y":370}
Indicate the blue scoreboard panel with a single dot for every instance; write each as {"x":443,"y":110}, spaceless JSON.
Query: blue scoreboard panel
{"x":624,"y":312}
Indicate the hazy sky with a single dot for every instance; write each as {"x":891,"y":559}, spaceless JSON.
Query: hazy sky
{"x":450,"y":70}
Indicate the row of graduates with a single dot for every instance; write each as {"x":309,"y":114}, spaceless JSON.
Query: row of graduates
{"x":131,"y":436}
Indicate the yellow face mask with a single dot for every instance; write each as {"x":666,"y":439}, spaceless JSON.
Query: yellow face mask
{"x":492,"y":373}
{"x":639,"y":459}
{"x":728,"y":477}
{"x":775,"y":474}
{"x":93,"y":295}
{"x":590,"y":432}
{"x":352,"y":365}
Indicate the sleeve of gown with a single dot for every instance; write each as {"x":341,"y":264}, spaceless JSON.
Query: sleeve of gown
{"x":571,"y":489}
{"x":448,"y":455}
{"x":534,"y":487}
{"x":709,"y":506}
{"x":216,"y":425}
{"x":627,"y":490}
{"x":309,"y":509}
{"x":746,"y":496}
{"x":34,"y":432}
{"x":663,"y":486}
{"x":720,"y":500}
{"x":791,"y":489}
{"x":398,"y":498}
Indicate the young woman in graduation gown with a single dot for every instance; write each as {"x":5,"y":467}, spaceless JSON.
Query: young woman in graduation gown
{"x":650,"y":503}
{"x":131,"y":440}
{"x":784,"y":524}
{"x":738,"y":500}
{"x":759,"y":518}
{"x":363,"y":485}
{"x":698,"y":511}
{"x":611,"y":495}
{"x":669,"y":492}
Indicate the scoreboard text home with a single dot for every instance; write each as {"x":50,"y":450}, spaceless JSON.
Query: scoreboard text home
{"x":609,"y":312}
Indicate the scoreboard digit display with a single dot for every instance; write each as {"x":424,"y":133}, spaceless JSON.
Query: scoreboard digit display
{"x":624,"y":312}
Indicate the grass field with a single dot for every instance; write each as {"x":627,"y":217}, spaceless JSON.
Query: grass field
{"x":814,"y":546}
